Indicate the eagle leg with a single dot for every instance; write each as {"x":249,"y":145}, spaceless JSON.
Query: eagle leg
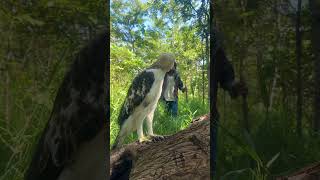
{"x":149,"y":120}
{"x":141,"y":137}
{"x":153,"y":137}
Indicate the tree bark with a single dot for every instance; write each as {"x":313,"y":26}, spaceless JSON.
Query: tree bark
{"x":184,"y":155}
{"x":273,"y":88}
{"x":186,"y":90}
{"x":276,"y":55}
{"x":203,"y":69}
{"x":244,"y":47}
{"x":299,"y":82}
{"x":7,"y":98}
{"x":7,"y":83}
{"x":208,"y":62}
{"x":315,"y":39}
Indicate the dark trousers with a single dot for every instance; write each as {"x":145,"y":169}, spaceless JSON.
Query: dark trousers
{"x":172,"y":107}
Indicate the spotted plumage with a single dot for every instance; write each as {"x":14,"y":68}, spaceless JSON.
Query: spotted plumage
{"x":77,"y":126}
{"x":140,"y":86}
{"x":142,"y":98}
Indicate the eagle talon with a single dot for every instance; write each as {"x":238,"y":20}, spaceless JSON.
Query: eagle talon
{"x":156,"y":138}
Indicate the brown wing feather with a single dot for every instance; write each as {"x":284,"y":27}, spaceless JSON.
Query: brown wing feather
{"x":138,"y":90}
{"x":78,"y":114}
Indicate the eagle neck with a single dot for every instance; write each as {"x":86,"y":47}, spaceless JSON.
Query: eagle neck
{"x":158,"y":73}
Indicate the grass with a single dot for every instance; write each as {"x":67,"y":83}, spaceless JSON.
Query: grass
{"x":17,"y":142}
{"x":31,"y":113}
{"x":163,"y":123}
{"x":272,"y":148}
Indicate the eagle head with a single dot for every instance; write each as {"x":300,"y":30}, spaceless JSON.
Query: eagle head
{"x":165,"y":62}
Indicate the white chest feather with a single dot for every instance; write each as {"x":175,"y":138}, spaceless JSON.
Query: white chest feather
{"x":149,"y":103}
{"x":89,"y":161}
{"x":155,"y":91}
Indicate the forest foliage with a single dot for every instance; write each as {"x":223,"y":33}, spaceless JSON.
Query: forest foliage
{"x":140,"y":32}
{"x":39,"y":40}
{"x":262,"y":36}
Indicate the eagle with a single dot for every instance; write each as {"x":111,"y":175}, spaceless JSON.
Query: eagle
{"x":74,"y":143}
{"x":142,"y":98}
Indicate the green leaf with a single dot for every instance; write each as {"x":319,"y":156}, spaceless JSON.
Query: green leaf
{"x":275,"y":157}
{"x":50,"y":4}
{"x":27,"y":18}
{"x":232,"y":173}
{"x":93,"y":20}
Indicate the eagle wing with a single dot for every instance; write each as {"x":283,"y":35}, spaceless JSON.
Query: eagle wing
{"x":78,"y":115}
{"x":137,"y":92}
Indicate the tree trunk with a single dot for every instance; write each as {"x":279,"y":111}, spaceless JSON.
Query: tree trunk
{"x":315,"y":39}
{"x":273,"y":88}
{"x":186,"y":90}
{"x":192,"y":87}
{"x":299,"y":82}
{"x":7,"y":83}
{"x":244,"y":47}
{"x":184,"y":155}
{"x":261,"y":79}
{"x":7,"y":98}
{"x":203,"y":81}
{"x":276,"y":55}
{"x":208,"y":62}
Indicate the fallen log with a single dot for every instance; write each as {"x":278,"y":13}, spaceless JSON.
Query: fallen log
{"x":184,"y":155}
{"x":311,"y":172}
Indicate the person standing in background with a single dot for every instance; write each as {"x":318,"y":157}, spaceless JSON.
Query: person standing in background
{"x":172,"y":82}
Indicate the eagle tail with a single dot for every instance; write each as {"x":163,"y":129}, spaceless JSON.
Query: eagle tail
{"x":120,"y":138}
{"x":116,"y":142}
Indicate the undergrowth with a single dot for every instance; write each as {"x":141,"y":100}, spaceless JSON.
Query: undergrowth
{"x":272,"y":148}
{"x":163,"y":123}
